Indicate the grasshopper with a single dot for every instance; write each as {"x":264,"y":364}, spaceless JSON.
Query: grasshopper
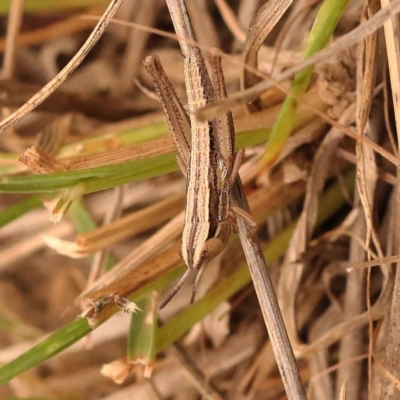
{"x":210,"y":163}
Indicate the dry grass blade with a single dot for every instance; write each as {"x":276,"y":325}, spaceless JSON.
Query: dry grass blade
{"x":231,"y":21}
{"x":388,"y":375}
{"x":372,"y":263}
{"x":269,"y":304}
{"x":352,"y":345}
{"x":12,"y":253}
{"x":388,"y":387}
{"x":121,"y":229}
{"x":100,"y":259}
{"x":392,"y":32}
{"x":194,"y":374}
{"x":319,"y":361}
{"x":145,"y":273}
{"x":365,"y":158}
{"x":290,"y":277}
{"x":40,"y":161}
{"x":321,"y":236}
{"x":13,"y":28}
{"x":343,"y":43}
{"x":144,"y":251}
{"x":343,"y":392}
{"x":135,"y":45}
{"x":203,"y":24}
{"x":296,"y":18}
{"x":267,"y":17}
{"x":47,"y":90}
{"x":56,"y":30}
{"x":111,"y":109}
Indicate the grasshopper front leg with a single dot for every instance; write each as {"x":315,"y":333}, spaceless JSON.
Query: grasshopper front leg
{"x":198,"y":248}
{"x":230,"y":160}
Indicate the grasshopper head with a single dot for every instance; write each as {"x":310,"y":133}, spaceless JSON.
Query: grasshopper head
{"x":199,"y":246}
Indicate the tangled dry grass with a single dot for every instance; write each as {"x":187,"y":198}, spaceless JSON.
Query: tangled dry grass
{"x":96,"y":159}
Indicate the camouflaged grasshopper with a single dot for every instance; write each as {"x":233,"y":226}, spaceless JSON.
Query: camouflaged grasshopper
{"x":210,"y":163}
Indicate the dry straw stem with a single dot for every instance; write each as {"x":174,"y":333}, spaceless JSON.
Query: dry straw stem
{"x":291,"y":276}
{"x":367,"y":175}
{"x":267,"y":17}
{"x":40,"y":161}
{"x":136,"y":43}
{"x":54,"y":84}
{"x":120,"y":229}
{"x":109,"y":109}
{"x":230,"y":20}
{"x":252,"y":247}
{"x":343,"y":392}
{"x":194,"y":374}
{"x":268,"y":303}
{"x":392,"y":32}
{"x":275,"y":196}
{"x":180,"y":324}
{"x":56,"y":30}
{"x":13,"y":28}
{"x":363,"y":30}
{"x":322,"y":30}
{"x":202,"y":21}
{"x":96,"y":153}
{"x":343,"y":43}
{"x":392,"y":334}
{"x":141,"y":253}
{"x":264,"y":202}
{"x":102,"y":259}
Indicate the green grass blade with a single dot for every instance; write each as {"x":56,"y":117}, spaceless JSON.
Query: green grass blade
{"x":84,"y":222}
{"x":32,"y":6}
{"x":327,"y":18}
{"x":142,"y":332}
{"x":81,"y":217}
{"x":9,"y":163}
{"x":93,"y":179}
{"x":101,"y":178}
{"x":70,"y":334}
{"x":17,"y":210}
{"x":331,"y":201}
{"x":49,"y":347}
{"x":27,"y":398}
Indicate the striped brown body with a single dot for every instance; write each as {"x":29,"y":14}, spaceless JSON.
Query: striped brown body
{"x":209,"y":163}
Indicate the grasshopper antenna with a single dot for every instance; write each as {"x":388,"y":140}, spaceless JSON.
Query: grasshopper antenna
{"x":176,"y":289}
{"x":196,"y":284}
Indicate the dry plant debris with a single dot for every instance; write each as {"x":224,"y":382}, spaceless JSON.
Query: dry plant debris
{"x":78,"y":299}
